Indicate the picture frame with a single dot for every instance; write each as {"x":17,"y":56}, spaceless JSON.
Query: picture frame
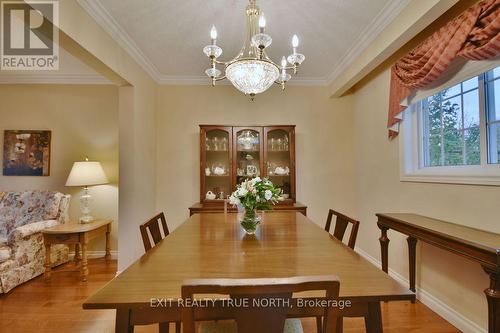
{"x":26,"y":153}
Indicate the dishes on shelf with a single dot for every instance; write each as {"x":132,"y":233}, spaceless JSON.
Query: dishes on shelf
{"x":216,"y":144}
{"x":210,"y":195}
{"x":280,"y":171}
{"x":248,"y":141}
{"x":279,"y":144}
{"x":219,"y":171}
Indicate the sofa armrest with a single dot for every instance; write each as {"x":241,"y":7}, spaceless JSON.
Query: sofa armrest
{"x":30,"y":229}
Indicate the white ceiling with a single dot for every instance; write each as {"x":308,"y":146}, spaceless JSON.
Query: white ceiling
{"x":167,"y":37}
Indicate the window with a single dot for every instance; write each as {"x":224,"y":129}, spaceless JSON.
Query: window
{"x":454,"y":134}
{"x":493,"y":114}
{"x":451,"y":126}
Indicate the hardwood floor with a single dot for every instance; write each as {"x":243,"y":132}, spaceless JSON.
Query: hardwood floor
{"x":55,"y":307}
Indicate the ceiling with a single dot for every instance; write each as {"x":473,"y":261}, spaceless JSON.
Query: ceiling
{"x":167,"y":37}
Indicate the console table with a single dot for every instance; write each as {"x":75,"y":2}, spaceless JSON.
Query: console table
{"x":477,"y":245}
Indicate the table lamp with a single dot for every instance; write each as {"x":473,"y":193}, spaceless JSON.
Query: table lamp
{"x":86,"y":174}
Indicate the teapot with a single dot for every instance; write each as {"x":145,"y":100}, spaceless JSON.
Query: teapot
{"x":210,"y":195}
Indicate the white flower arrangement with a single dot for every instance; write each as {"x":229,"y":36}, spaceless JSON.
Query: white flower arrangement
{"x":255,"y":194}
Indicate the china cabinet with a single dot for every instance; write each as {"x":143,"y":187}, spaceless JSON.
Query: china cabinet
{"x":231,"y":154}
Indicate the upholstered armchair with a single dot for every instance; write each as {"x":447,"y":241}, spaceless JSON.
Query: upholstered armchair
{"x":23,"y":215}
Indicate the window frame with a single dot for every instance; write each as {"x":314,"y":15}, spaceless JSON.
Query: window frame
{"x":492,"y":141}
{"x":412,"y":151}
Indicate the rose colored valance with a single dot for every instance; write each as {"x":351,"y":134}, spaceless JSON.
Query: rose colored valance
{"x":474,"y":35}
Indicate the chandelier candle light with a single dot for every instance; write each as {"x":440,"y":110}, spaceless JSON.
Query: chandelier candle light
{"x":252,"y":71}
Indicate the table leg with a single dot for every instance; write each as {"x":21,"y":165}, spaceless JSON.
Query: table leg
{"x":373,"y":320}
{"x":164,"y":327}
{"x":108,"y":241}
{"x":493,"y":297}
{"x":84,"y":270}
{"x":77,"y":252}
{"x":412,"y":254}
{"x":48,"y":265}
{"x":384,"y":247}
{"x":123,"y":321}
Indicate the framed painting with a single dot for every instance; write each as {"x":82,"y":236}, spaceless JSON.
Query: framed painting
{"x":26,"y":153}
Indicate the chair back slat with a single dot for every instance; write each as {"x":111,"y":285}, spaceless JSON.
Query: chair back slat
{"x":341,"y":224}
{"x":340,"y":228}
{"x":254,"y":318}
{"x":153,"y":225}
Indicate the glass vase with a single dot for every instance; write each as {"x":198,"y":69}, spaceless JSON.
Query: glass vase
{"x":250,"y":221}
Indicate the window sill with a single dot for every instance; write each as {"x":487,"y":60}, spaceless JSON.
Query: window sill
{"x":426,"y":177}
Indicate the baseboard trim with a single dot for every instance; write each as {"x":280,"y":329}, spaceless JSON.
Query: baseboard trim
{"x":444,"y":310}
{"x":96,"y":254}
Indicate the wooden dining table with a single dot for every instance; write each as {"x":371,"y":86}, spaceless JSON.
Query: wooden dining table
{"x":213,"y":245}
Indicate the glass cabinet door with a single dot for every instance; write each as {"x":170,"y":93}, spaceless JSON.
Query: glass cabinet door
{"x":248,"y":149}
{"x":216,"y":163}
{"x":279,"y":159}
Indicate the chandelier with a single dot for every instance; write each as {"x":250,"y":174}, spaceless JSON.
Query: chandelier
{"x":252,"y":71}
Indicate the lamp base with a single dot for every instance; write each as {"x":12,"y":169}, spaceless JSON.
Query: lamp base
{"x":85,"y":200}
{"x":86,"y":219}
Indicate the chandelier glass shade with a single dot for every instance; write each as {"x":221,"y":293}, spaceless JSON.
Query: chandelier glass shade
{"x":252,"y":76}
{"x":251,"y":71}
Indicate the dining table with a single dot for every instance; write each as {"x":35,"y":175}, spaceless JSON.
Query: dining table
{"x":213,"y":246}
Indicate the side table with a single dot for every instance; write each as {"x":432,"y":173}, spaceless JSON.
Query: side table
{"x":78,"y":234}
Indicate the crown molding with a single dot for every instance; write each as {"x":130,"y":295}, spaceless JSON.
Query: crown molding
{"x":185,"y":80}
{"x":97,"y":11}
{"x":37,"y":78}
{"x":368,"y":35}
{"x":205,"y":81}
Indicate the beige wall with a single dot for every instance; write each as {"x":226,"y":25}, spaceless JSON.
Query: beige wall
{"x":325,"y":168}
{"x":85,"y":39}
{"x":453,"y":280}
{"x":84,"y":122}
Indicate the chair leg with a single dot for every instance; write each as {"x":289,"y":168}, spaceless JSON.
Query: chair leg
{"x":164,"y":327}
{"x":319,"y":324}
{"x":177,"y":327}
{"x":340,"y":324}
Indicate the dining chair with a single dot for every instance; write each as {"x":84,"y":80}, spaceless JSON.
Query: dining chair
{"x":153,"y":225}
{"x":252,"y":317}
{"x":341,"y":224}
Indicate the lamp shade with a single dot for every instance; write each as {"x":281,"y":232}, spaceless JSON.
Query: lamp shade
{"x":86,"y":174}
